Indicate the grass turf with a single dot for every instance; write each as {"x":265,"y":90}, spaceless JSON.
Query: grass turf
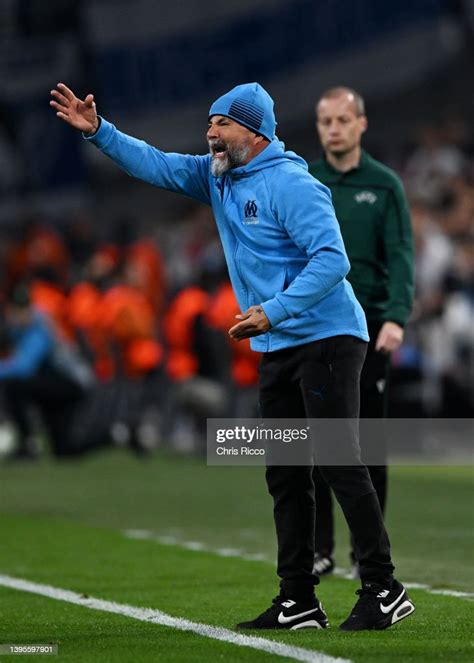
{"x":60,"y":525}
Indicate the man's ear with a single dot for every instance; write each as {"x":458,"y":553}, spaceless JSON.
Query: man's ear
{"x":259,"y":139}
{"x":364,"y":123}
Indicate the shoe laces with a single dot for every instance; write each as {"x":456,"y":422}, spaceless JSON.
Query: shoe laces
{"x":275,"y":606}
{"x":366,"y":599}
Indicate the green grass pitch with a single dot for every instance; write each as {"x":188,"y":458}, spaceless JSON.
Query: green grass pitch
{"x":62,"y":524}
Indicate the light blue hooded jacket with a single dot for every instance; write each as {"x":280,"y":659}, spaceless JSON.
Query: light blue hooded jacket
{"x":277,"y":225}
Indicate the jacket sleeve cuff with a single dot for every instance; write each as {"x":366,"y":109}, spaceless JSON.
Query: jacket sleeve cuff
{"x":102,"y":135}
{"x":399,"y":316}
{"x":274,"y":311}
{"x":396,"y":321}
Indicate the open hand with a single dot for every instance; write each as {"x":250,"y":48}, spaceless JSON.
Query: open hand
{"x":79,"y":114}
{"x":254,"y":322}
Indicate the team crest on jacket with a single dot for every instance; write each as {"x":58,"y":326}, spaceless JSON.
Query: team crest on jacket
{"x":365,"y":197}
{"x":250,"y":211}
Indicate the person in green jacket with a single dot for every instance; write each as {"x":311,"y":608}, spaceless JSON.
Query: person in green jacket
{"x":373,"y":214}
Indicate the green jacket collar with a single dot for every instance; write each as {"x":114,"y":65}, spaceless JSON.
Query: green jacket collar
{"x":362,"y":162}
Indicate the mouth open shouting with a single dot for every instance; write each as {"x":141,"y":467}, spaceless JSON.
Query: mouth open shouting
{"x":218,"y":149}
{"x":226,"y":156}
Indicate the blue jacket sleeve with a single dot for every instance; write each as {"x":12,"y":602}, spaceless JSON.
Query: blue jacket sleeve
{"x":31,"y":350}
{"x":182,"y":173}
{"x":305,"y":209}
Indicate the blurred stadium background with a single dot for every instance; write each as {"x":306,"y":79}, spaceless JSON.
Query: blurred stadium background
{"x":135,"y":277}
{"x":68,"y":214}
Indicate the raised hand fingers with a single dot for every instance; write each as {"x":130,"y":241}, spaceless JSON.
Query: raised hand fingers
{"x":63,"y":116}
{"x":69,"y":94}
{"x":77,"y":113}
{"x":60,"y":98}
{"x":89,"y":101}
{"x":61,"y":110}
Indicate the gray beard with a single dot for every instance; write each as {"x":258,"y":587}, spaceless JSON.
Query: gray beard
{"x":234,"y":157}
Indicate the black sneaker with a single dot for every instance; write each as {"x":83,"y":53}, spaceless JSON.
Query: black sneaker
{"x":323,"y":565}
{"x":289,"y":614}
{"x":378,"y":607}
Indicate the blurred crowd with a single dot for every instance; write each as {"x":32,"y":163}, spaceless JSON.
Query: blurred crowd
{"x":130,"y":348}
{"x":123,"y":340}
{"x":439,"y":347}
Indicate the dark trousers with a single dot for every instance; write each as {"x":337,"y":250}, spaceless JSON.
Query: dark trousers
{"x":374,"y":384}
{"x":320,"y":380}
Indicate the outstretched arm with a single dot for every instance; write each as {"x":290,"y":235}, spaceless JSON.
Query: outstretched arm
{"x":181,"y":173}
{"x":79,"y":114}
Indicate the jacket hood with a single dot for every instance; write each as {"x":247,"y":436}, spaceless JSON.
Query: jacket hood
{"x":274,"y":154}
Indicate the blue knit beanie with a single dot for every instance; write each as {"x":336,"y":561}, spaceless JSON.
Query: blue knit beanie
{"x":248,"y":104}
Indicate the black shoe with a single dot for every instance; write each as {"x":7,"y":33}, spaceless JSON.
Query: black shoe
{"x":378,"y":607}
{"x":289,"y":614}
{"x":323,"y":564}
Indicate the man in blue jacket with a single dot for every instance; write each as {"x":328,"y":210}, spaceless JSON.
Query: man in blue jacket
{"x":287,"y":264}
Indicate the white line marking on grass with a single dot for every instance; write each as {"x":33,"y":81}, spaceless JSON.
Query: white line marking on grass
{"x":167,"y":540}
{"x":161,"y":618}
{"x":142,"y":534}
{"x":452,"y":592}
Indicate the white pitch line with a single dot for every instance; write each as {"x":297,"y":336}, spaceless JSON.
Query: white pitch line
{"x":161,"y":618}
{"x":146,"y":535}
{"x":168,"y":540}
{"x":452,"y":592}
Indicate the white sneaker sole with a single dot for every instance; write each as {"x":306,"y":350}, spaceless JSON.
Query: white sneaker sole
{"x":311,"y":623}
{"x":403,"y":610}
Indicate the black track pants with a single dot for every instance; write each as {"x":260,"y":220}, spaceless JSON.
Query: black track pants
{"x":321,"y":380}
